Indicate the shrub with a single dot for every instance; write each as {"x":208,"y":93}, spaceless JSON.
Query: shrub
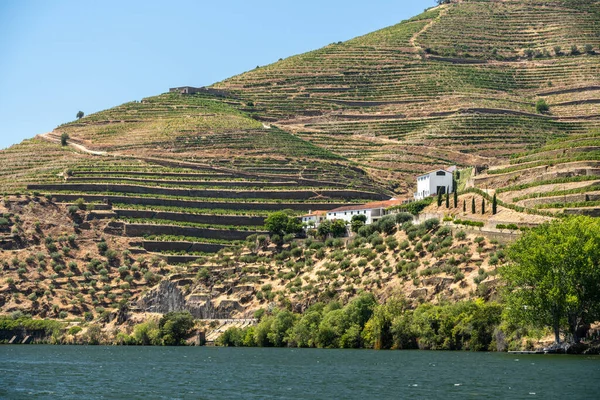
{"x":541,"y":106}
{"x":557,"y":50}
{"x":574,"y":50}
{"x":461,"y":235}
{"x":589,"y":49}
{"x":64,"y":138}
{"x":431,"y":223}
{"x":403,"y":217}
{"x":72,"y":210}
{"x":102,"y":247}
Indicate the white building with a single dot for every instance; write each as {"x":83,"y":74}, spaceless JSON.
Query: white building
{"x":430,"y":183}
{"x":314,"y":218}
{"x":373,"y":211}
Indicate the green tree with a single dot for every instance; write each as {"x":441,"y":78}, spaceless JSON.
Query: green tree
{"x":552,"y":280}
{"x":465,"y":206}
{"x":280,"y":223}
{"x":472,"y":205}
{"x":80,"y":114}
{"x":439,"y":198}
{"x":455,"y":193}
{"x":482,"y":206}
{"x":494,"y":205}
{"x":358,"y":221}
{"x":175,"y":327}
{"x":541,"y":106}
{"x":338,"y":228}
{"x":64,"y":138}
{"x":447,"y":200}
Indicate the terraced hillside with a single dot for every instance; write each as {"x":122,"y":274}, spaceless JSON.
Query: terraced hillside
{"x":563,"y":176}
{"x":457,"y":84}
{"x":511,"y":88}
{"x":183,"y":192}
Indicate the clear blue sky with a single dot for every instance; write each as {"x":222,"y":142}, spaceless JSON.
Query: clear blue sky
{"x":61,"y":56}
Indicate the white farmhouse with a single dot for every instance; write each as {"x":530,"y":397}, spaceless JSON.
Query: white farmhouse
{"x":314,"y":218}
{"x":430,"y":183}
{"x":373,"y":211}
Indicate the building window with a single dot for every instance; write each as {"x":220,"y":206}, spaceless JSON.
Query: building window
{"x":440,"y":173}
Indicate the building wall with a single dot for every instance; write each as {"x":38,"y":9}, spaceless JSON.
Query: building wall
{"x":435,"y":181}
{"x":347,"y":215}
{"x":427,"y":185}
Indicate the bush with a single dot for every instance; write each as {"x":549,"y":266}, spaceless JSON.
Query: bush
{"x":72,"y":210}
{"x":574,"y":50}
{"x":64,"y":138}
{"x":541,"y":106}
{"x":589,"y":49}
{"x":431,"y":223}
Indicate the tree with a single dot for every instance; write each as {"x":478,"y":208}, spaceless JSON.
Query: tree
{"x":574,"y":50}
{"x":472,"y":205}
{"x":175,"y":327}
{"x":280,"y":223}
{"x":553,"y":278}
{"x":541,"y":106}
{"x":455,"y":193}
{"x":338,"y":228}
{"x":557,"y":50}
{"x":80,"y":114}
{"x":465,"y":206}
{"x":482,"y":206}
{"x":447,"y":200}
{"x":589,"y":49}
{"x":439,"y":197}
{"x":358,"y":221}
{"x":64,"y":138}
{"x":494,"y":205}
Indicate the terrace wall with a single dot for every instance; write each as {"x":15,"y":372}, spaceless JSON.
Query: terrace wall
{"x":196,"y":218}
{"x":139,"y":230}
{"x":198,"y":204}
{"x":226,"y":194}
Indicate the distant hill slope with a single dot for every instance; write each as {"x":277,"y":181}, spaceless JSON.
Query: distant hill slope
{"x":352,"y":122}
{"x":456,"y":84}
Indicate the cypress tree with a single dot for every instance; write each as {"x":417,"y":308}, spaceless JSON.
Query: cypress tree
{"x":472,"y":205}
{"x":439,"y":198}
{"x":465,"y":206}
{"x":494,"y":205}
{"x":482,"y":206}
{"x":447,"y":200}
{"x":455,"y":198}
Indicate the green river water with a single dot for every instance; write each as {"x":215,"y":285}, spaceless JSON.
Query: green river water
{"x":96,"y":372}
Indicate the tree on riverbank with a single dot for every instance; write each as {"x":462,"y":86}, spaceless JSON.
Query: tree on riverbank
{"x":554,"y":277}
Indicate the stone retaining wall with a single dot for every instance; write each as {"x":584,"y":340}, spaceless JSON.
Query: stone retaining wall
{"x":157,"y":246}
{"x":139,"y":230}
{"x":211,"y":193}
{"x":198,"y":204}
{"x":196,"y":218}
{"x":226,"y":184}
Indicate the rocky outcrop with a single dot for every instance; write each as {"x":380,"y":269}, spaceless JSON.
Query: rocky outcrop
{"x":168,"y":296}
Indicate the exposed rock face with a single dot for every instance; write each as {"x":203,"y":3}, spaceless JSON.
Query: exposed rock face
{"x":167,"y":297}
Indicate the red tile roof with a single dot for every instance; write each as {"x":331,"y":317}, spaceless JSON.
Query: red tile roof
{"x":317,"y":213}
{"x":368,"y":206}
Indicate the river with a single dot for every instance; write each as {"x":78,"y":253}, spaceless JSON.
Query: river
{"x":97,"y":372}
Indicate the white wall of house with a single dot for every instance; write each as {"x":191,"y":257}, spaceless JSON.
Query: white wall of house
{"x":347,"y":215}
{"x":427,"y":185}
{"x":313,"y":220}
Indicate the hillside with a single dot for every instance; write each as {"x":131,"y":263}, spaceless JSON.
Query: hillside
{"x":179,"y":185}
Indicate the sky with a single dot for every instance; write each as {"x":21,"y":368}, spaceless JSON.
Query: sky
{"x":61,"y":56}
